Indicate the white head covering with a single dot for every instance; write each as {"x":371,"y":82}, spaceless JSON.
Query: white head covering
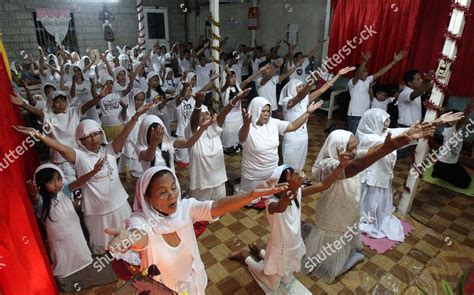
{"x":337,"y":138}
{"x":190,"y":76}
{"x":82,"y":62}
{"x":131,"y":110}
{"x":55,"y":58}
{"x":104,"y":78}
{"x":109,"y":56}
{"x":255,"y":108}
{"x":167,"y":71}
{"x":151,"y":75}
{"x":166,"y":142}
{"x":76,"y":56}
{"x":289,"y":90}
{"x":117,"y":86}
{"x":124,"y":60}
{"x":71,"y":71}
{"x":51,"y":166}
{"x":43,"y":92}
{"x":176,"y":222}
{"x":86,"y":128}
{"x":13,"y":67}
{"x":369,"y":132}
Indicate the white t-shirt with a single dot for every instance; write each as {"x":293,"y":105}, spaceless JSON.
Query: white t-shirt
{"x":159,"y":159}
{"x":235,"y":115}
{"x":183,"y":116}
{"x":67,"y":244}
{"x":299,"y":73}
{"x":237,"y":68}
{"x":260,"y":150}
{"x":50,"y":78}
{"x":185,"y":65}
{"x":104,"y":192}
{"x":140,"y":82}
{"x":294,"y":113}
{"x":376,"y":104}
{"x":256,"y":62}
{"x":207,"y":160}
{"x":83,"y":92}
{"x":110,"y":109}
{"x":452,"y":145}
{"x":268,"y":90}
{"x":360,"y":97}
{"x":63,"y":127}
{"x":409,"y":111}
{"x":203,"y":74}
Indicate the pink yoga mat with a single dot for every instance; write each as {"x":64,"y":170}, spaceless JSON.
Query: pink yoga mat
{"x":383,"y":245}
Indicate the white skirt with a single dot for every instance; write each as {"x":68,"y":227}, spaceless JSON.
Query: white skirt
{"x":295,"y":152}
{"x":377,"y":203}
{"x":323,"y":258}
{"x":283,"y":262}
{"x":96,"y":224}
{"x":209,"y":194}
{"x":230,"y":133}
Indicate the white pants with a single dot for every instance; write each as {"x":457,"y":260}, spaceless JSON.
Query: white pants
{"x":295,"y":152}
{"x":230,"y":133}
{"x":271,"y":282}
{"x":213,"y":193}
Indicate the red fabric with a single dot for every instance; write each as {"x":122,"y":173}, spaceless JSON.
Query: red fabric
{"x":24,"y":265}
{"x":416,"y":26}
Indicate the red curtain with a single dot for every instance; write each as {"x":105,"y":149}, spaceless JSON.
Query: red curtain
{"x":24,"y":265}
{"x":416,"y":26}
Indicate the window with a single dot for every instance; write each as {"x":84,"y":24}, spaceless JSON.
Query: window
{"x":46,"y":40}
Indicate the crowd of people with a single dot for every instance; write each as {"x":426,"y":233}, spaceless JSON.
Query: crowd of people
{"x":106,"y":115}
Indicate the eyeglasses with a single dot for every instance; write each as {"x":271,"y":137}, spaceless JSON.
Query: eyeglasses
{"x":91,"y":136}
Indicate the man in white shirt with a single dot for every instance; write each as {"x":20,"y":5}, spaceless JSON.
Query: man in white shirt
{"x":359,"y":89}
{"x":409,"y":100}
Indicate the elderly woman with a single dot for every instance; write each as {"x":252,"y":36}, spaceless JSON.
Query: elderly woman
{"x":259,"y":137}
{"x":161,"y":228}
{"x":337,"y":210}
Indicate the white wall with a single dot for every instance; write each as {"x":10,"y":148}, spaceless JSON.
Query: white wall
{"x":272,"y":23}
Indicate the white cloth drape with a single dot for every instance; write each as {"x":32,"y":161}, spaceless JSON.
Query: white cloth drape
{"x":55,"y":21}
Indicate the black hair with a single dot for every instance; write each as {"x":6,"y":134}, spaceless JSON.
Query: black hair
{"x":47,"y":86}
{"x":187,"y":51}
{"x":392,"y":89}
{"x":409,"y":75}
{"x":153,"y":178}
{"x":41,"y":178}
{"x":166,"y":154}
{"x":297,"y":54}
{"x":263,"y":63}
{"x":63,"y":97}
{"x":380,"y":88}
{"x":284,"y":174}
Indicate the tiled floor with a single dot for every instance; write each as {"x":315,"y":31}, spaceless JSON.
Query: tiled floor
{"x":440,"y":247}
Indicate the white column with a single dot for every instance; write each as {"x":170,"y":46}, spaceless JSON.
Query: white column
{"x":443,"y":73}
{"x":254,"y":32}
{"x":141,"y":27}
{"x":214,"y":9}
{"x":327,"y":25}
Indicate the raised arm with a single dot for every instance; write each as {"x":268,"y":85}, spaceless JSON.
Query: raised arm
{"x":86,"y":177}
{"x":365,"y":59}
{"x":427,"y":84}
{"x":18,"y":100}
{"x":299,"y":95}
{"x":247,"y":81}
{"x":244,"y":130}
{"x":396,"y":58}
{"x":233,"y":203}
{"x":227,"y":108}
{"x":290,"y":71}
{"x":61,"y":79}
{"x":295,"y":180}
{"x":187,"y":143}
{"x":67,"y":152}
{"x":29,"y":97}
{"x":316,"y":94}
{"x":196,"y":115}
{"x":302,"y":119}
{"x":103,"y":93}
{"x":328,"y":181}
{"x":375,"y":153}
{"x":119,"y":141}
{"x":209,"y":84}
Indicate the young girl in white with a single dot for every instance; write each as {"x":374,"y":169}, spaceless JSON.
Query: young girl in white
{"x":155,"y":147}
{"x":233,"y":121}
{"x":337,"y":210}
{"x":105,"y":200}
{"x":60,"y":121}
{"x":156,"y":94}
{"x":259,"y":137}
{"x":70,"y":256}
{"x":161,"y":228}
{"x":135,"y":100}
{"x":285,"y":246}
{"x":295,"y":99}
{"x":207,"y":166}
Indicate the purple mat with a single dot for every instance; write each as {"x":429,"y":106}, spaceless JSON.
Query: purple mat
{"x":383,"y":245}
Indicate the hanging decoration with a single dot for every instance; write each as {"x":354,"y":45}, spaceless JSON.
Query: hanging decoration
{"x":141,"y":27}
{"x":55,"y":22}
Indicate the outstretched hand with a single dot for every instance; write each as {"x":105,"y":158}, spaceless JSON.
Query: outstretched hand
{"x":345,"y":70}
{"x":449,"y":118}
{"x":343,"y":157}
{"x":120,"y":241}
{"x":32,"y":188}
{"x":240,"y":95}
{"x":157,"y":135}
{"x":315,"y":105}
{"x":269,"y":187}
{"x":247,"y":118}
{"x":295,"y":180}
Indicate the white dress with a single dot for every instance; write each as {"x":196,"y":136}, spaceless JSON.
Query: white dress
{"x":67,"y":245}
{"x":233,"y":120}
{"x":183,"y":117}
{"x":105,"y":200}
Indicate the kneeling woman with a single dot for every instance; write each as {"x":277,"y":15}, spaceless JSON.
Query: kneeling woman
{"x":161,"y":227}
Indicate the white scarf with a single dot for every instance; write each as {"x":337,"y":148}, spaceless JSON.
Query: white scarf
{"x":166,"y":142}
{"x":255,"y":108}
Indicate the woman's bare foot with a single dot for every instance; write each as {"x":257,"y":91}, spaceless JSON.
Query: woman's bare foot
{"x":239,"y":255}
